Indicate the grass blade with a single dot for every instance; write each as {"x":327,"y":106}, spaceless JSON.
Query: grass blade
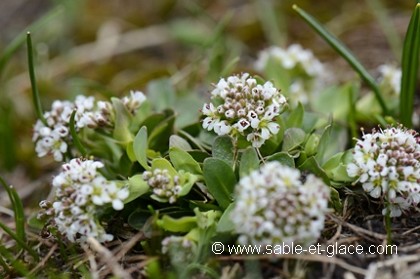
{"x":17,"y":206}
{"x":19,"y":214}
{"x":74,"y":135}
{"x":410,"y":67}
{"x":35,"y":92}
{"x":339,"y":47}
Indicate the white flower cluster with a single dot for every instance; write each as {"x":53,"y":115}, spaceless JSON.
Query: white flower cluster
{"x":307,"y":73}
{"x":164,"y":186}
{"x":79,"y":192}
{"x":387,"y":164}
{"x":390,"y":79}
{"x":274,"y":206}
{"x":54,"y":137}
{"x":246,"y":108}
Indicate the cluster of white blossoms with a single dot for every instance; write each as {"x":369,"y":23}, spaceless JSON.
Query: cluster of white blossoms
{"x":273,"y":206}
{"x":164,"y":186}
{"x":386,"y":163}
{"x":306,"y":72}
{"x":243,"y":107}
{"x":54,"y":137}
{"x":80,"y":190}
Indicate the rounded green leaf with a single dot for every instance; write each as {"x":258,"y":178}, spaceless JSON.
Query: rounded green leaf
{"x":182,"y":160}
{"x":137,"y":187}
{"x":184,"y":224}
{"x":220,"y":180}
{"x":249,"y":162}
{"x":140,"y":147}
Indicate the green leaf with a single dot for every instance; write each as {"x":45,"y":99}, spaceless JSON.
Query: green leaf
{"x":140,"y":147}
{"x":159,"y":136}
{"x":137,"y":187}
{"x":336,"y":167}
{"x":188,"y":183}
{"x":332,"y":141}
{"x":163,"y":164}
{"x":122,"y":122}
{"x":223,"y":149}
{"x":335,"y":200}
{"x":341,"y":49}
{"x":184,"y":224}
{"x":74,"y":135}
{"x":312,"y":166}
{"x":330,"y":102}
{"x":187,"y":107}
{"x":249,"y":162}
{"x":138,"y":218}
{"x":207,"y":219}
{"x":295,"y":117}
{"x":184,"y":161}
{"x":410,"y":67}
{"x":311,"y":145}
{"x":130,"y":152}
{"x":293,"y":138}
{"x":220,"y":180}
{"x":161,"y":93}
{"x":225,"y":223}
{"x":283,"y":158}
{"x":179,"y":142}
{"x":312,"y":121}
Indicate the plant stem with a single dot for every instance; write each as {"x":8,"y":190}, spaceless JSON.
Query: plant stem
{"x":35,"y":92}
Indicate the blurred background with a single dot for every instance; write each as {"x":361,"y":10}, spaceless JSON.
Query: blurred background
{"x":106,"y":48}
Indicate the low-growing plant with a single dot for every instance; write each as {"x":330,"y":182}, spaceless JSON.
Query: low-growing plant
{"x":257,"y":167}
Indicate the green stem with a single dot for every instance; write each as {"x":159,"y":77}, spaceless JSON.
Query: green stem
{"x":35,"y":92}
{"x":341,"y":49}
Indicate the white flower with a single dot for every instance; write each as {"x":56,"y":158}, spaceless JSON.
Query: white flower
{"x":79,"y":190}
{"x":134,"y":101}
{"x":386,"y":163}
{"x":53,"y":138}
{"x":273,"y":206}
{"x":248,"y":109}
